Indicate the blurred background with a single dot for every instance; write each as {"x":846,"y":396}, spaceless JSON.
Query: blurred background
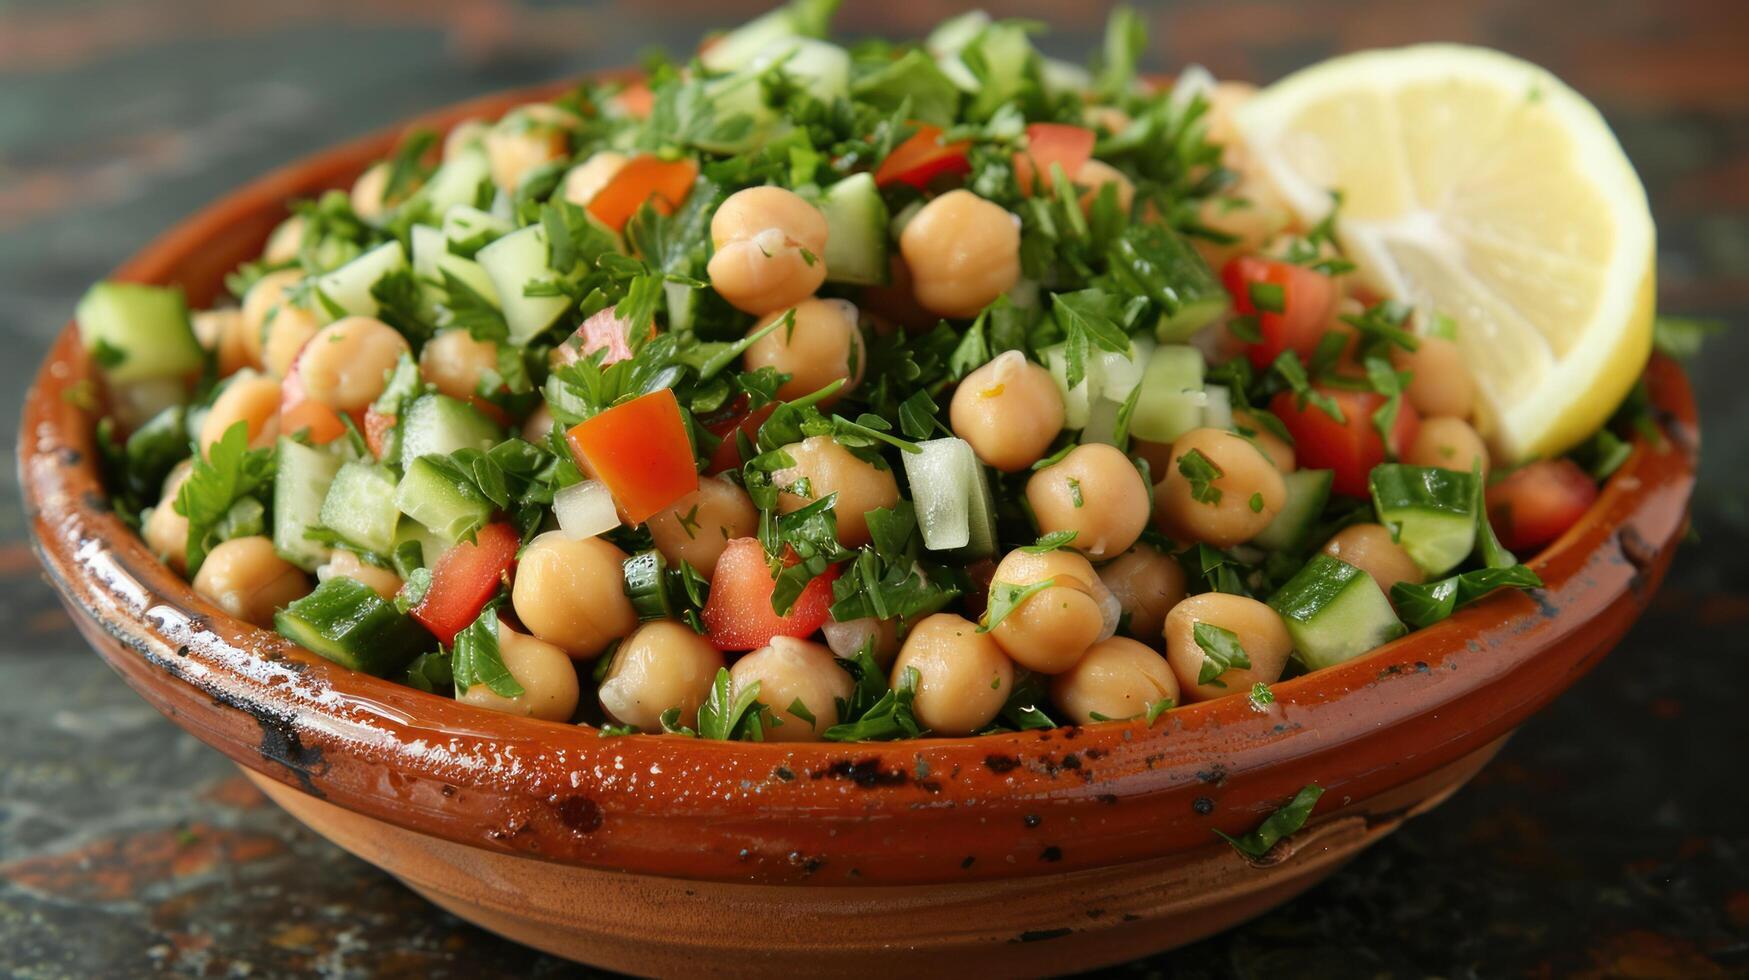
{"x":1609,"y":839}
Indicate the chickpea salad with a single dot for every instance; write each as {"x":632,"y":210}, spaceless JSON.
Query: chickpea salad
{"x":801,"y":391}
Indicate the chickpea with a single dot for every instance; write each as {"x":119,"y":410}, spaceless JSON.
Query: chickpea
{"x":467,"y":133}
{"x":1258,"y":629}
{"x":963,"y":252}
{"x":286,"y":241}
{"x":247,"y":579}
{"x":1252,"y":212}
{"x":1053,"y":627}
{"x":252,"y":399}
{"x":1276,"y":449}
{"x":1094,"y":175}
{"x":1009,"y":411}
{"x":263,"y":301}
{"x":663,"y":665}
{"x":456,"y":363}
{"x":221,"y":331}
{"x":370,"y":192}
{"x":1109,"y":118}
{"x":1440,"y":382}
{"x":347,"y":364}
{"x":289,"y":330}
{"x":791,"y":670}
{"x":1251,"y":491}
{"x":701,"y":524}
{"x":1448,"y":443}
{"x":1369,"y":547}
{"x":586,"y":180}
{"x":829,"y":468}
{"x":1224,"y":100}
{"x":344,"y":564}
{"x":746,"y":213}
{"x":823,"y":345}
{"x":1147,"y":584}
{"x":963,"y":678}
{"x":567,"y":592}
{"x":527,"y":137}
{"x":1116,"y":679}
{"x":165,"y":531}
{"x":549,"y":682}
{"x":1097,"y":493}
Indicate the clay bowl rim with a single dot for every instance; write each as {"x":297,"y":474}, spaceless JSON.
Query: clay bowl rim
{"x":775,"y":813}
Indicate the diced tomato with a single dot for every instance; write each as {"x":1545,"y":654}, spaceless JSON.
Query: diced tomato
{"x":1307,"y":300}
{"x":1352,"y":447}
{"x":1536,"y":503}
{"x":738,"y":614}
{"x":922,"y":158}
{"x":376,"y":431}
{"x":637,"y":100}
{"x":298,"y":412}
{"x":664,"y":183}
{"x":641,"y":450}
{"x":728,"y":452}
{"x":464,"y":579}
{"x":1047,"y":145}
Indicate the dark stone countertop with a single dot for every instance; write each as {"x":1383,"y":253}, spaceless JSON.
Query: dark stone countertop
{"x":1609,"y":839}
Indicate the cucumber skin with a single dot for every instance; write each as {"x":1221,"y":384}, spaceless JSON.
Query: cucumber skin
{"x":149,"y":325}
{"x":856,"y":240}
{"x":420,"y":496}
{"x":1329,"y":589}
{"x":300,"y":484}
{"x":360,"y":506}
{"x":1307,"y":493}
{"x":440,"y":425}
{"x":346,"y":622}
{"x":1431,"y":509}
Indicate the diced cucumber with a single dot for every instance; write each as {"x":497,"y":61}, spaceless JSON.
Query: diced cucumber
{"x":360,"y":507}
{"x":137,"y":332}
{"x":431,"y":545}
{"x":681,"y":302}
{"x":1154,"y":261}
{"x":1107,"y":375}
{"x":466,"y":226}
{"x":440,"y":425}
{"x":739,"y":47}
{"x":940,"y":476}
{"x":1120,"y":373}
{"x":980,"y":516}
{"x":1102,"y":418}
{"x":856,"y":226}
{"x":513,"y":262}
{"x":1335,"y":612}
{"x":740,"y":94}
{"x":456,"y":183}
{"x":1008,"y":56}
{"x":351,"y":625}
{"x":300,"y":482}
{"x":1217,"y":412}
{"x":953,"y":34}
{"x":1077,"y":401}
{"x":1431,"y":510}
{"x":1064,"y":77}
{"x":1307,"y":493}
{"x":1172,"y":398}
{"x":823,"y":69}
{"x":349,"y":286}
{"x":432,"y":495}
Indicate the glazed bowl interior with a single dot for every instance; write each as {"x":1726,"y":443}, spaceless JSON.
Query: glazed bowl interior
{"x":914,"y":812}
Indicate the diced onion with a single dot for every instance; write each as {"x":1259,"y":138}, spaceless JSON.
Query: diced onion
{"x":585,"y":510}
{"x":847,"y":639}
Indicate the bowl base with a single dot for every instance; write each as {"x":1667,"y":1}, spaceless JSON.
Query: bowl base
{"x":1022,"y":926}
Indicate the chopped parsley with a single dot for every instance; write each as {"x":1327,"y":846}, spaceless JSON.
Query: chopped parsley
{"x":1282,"y":823}
{"x":1221,"y":652}
{"x":1202,"y":474}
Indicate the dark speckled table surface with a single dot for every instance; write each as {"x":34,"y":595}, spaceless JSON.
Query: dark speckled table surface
{"x":1610,"y":838}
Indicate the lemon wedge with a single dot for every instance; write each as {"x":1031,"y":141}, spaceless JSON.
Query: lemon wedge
{"x":1481,"y":187}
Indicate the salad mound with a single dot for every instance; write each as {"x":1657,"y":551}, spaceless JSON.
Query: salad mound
{"x":805,"y":392}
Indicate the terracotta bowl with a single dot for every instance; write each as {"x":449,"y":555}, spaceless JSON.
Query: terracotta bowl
{"x":1028,"y":853}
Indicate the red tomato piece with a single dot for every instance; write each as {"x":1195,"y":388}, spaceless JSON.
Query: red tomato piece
{"x":464,"y":579}
{"x":376,"y":431}
{"x":922,"y":158}
{"x":1049,"y":144}
{"x":637,"y":100}
{"x":728,"y":453}
{"x":1307,"y":300}
{"x":298,"y":412}
{"x":641,"y":450}
{"x":1536,"y":503}
{"x":738,"y":614}
{"x":664,"y":183}
{"x":1350,"y":448}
